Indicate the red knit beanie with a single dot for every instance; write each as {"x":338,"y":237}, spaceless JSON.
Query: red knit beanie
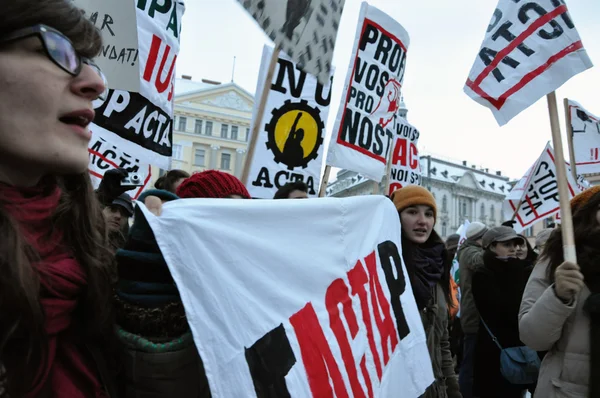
{"x":212,"y":184}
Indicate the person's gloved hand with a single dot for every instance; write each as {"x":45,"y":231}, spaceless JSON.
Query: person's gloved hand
{"x":510,"y":223}
{"x":110,"y":186}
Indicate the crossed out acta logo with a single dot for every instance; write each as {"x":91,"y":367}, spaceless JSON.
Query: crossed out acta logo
{"x":295,"y":133}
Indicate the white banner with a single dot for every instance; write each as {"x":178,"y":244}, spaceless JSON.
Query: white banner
{"x":530,"y":49}
{"x":290,"y":142}
{"x":306,"y":30}
{"x":367,"y":119}
{"x":118,"y":59}
{"x":586,"y":139}
{"x":538,"y":189}
{"x":141,"y":124}
{"x":323,"y":307}
{"x":405,"y":168}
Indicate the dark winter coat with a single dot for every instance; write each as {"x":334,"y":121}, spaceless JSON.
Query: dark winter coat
{"x":497,"y":289}
{"x":470,"y":258}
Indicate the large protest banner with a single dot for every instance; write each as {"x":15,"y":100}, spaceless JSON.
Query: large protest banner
{"x":140,"y":125}
{"x":405,"y":167}
{"x":290,"y":143}
{"x":535,"y":197}
{"x":530,"y":49}
{"x":585,"y":127}
{"x":323,"y":307}
{"x":118,"y":59}
{"x":306,"y":30}
{"x":367,"y":118}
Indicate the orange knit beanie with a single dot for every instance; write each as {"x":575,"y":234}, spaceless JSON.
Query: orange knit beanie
{"x":412,"y":195}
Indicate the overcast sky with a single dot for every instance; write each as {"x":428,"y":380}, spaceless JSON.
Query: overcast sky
{"x":445,"y":38}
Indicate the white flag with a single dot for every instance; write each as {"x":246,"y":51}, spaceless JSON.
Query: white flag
{"x":306,"y":30}
{"x":530,"y":49}
{"x":367,"y":118}
{"x":405,"y":167}
{"x":538,"y":191}
{"x":321,"y":308}
{"x":586,"y":139}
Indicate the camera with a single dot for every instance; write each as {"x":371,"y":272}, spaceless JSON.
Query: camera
{"x":132,"y":180}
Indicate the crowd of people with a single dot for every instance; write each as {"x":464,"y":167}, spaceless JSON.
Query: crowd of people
{"x":88,"y":307}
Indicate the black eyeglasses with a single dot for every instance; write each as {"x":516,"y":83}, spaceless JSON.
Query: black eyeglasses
{"x":59,"y":49}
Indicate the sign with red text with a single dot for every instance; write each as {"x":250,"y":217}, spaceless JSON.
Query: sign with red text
{"x":538,"y":191}
{"x":530,"y":49}
{"x":405,"y":168}
{"x":141,"y":124}
{"x":119,"y":56}
{"x":368,"y":117}
{"x":290,"y":140}
{"x":306,"y":30}
{"x":322,"y":309}
{"x":586,"y":139}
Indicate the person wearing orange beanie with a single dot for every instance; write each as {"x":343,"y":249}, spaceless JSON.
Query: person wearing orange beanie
{"x":428,"y":266}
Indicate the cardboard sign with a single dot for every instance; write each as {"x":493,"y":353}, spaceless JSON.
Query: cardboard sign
{"x":119,"y":57}
{"x":306,"y":30}
{"x":290,"y":142}
{"x":405,"y":168}
{"x":367,"y":119}
{"x":586,"y":139}
{"x":530,"y":49}
{"x":323,"y":308}
{"x":538,"y":189}
{"x":104,"y":157}
{"x":141,"y":124}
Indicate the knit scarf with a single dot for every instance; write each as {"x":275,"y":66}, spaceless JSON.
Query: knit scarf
{"x":66,"y":372}
{"x":428,"y":267}
{"x":587,"y":258}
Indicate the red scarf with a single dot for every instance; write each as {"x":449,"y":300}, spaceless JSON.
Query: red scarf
{"x":67,"y":372}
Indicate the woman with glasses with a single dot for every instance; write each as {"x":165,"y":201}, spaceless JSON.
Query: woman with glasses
{"x":55,"y":279}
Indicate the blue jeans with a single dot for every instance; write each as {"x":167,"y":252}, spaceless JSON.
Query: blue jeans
{"x":465,"y":376}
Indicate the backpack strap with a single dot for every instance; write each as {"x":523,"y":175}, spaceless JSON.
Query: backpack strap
{"x":494,"y":339}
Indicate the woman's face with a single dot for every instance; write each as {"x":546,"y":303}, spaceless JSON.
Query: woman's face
{"x":417,"y":223}
{"x":35,"y":98}
{"x":522,"y":251}
{"x":505,"y":249}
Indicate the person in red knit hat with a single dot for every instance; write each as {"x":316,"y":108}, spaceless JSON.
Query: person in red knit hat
{"x":213,"y":184}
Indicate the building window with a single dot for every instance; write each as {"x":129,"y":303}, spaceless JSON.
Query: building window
{"x":225,"y":161}
{"x":234,"y":132}
{"x":208,"y":128}
{"x":198,"y":127}
{"x":247,"y":133}
{"x":482,"y":212}
{"x":182,"y":123}
{"x":444,"y":204}
{"x":492,"y":213}
{"x":177,"y":152}
{"x":444,"y":229}
{"x":199,"y":157}
{"x":464,"y":209}
{"x":224,"y":129}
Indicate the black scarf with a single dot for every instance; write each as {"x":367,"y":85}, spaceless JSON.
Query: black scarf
{"x":587,"y":258}
{"x":427,"y":265}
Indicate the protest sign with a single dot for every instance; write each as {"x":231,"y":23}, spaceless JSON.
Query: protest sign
{"x":530,"y":49}
{"x":462,"y":232}
{"x":535,"y":197}
{"x":290,"y":143}
{"x":306,"y":30}
{"x":367,"y":119}
{"x":104,"y":157}
{"x":141,"y":124}
{"x":119,"y":57}
{"x":585,"y":129}
{"x":405,"y":168}
{"x":323,"y":307}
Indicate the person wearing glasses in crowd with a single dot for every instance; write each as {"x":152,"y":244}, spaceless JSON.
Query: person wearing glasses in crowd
{"x":56,"y":328}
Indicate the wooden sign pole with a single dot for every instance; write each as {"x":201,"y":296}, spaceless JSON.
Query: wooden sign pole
{"x":324,"y":181}
{"x":570,"y":139}
{"x":568,"y":238}
{"x":256,"y":127}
